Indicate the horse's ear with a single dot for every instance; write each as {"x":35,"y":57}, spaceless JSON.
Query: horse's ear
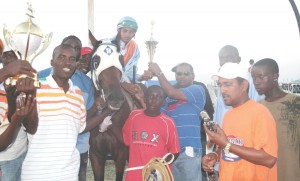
{"x":92,"y":39}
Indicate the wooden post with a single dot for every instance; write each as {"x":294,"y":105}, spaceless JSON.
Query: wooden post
{"x":91,"y":15}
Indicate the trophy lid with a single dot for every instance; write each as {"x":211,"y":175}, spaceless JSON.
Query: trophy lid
{"x":23,"y":28}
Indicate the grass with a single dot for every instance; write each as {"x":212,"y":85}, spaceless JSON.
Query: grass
{"x":109,"y":172}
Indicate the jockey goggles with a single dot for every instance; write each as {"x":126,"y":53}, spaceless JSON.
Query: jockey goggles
{"x":128,"y":24}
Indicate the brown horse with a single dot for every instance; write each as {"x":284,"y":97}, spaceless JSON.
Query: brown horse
{"x":106,"y":75}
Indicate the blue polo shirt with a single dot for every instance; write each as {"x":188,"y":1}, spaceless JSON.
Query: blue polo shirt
{"x":186,"y":115}
{"x":86,"y":86}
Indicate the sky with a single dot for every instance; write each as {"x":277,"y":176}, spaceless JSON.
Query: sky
{"x":190,"y":31}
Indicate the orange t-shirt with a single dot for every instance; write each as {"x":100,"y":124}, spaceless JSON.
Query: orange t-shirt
{"x":249,"y":125}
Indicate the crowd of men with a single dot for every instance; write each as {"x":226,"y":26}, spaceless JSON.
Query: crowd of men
{"x":44,"y":131}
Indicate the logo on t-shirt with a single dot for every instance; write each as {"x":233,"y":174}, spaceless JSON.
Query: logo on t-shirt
{"x":173,"y":104}
{"x":134,"y":135}
{"x":145,"y":138}
{"x":155,"y":138}
{"x":144,"y":135}
{"x":230,"y":157}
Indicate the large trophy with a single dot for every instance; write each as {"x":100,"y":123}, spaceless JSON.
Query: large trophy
{"x":27,"y":41}
{"x":151,"y":44}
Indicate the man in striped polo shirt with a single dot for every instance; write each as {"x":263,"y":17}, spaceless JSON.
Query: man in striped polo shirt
{"x":52,"y":153}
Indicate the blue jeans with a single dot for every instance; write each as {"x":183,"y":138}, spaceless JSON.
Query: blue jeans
{"x":11,"y":170}
{"x":187,"y":168}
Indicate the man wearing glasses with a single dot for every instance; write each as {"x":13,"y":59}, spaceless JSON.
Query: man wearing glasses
{"x":184,"y":103}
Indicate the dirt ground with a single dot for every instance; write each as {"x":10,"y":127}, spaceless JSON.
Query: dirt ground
{"x":109,"y":172}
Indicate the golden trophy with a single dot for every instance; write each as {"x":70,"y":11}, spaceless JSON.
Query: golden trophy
{"x":151,"y":44}
{"x":28,"y":41}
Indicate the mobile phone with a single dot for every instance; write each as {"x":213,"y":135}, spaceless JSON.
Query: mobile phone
{"x":207,"y":121}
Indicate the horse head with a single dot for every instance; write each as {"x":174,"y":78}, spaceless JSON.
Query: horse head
{"x":107,"y":71}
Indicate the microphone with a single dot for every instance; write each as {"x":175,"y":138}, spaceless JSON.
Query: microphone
{"x":207,"y":121}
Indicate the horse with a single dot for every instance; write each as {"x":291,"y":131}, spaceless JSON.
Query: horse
{"x":106,"y":75}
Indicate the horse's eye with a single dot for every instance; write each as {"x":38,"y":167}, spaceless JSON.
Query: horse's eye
{"x":95,"y":61}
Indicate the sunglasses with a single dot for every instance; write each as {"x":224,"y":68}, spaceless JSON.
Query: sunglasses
{"x":183,"y":73}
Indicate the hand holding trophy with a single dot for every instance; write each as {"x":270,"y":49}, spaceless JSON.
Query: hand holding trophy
{"x":151,"y":44}
{"x":27,"y":41}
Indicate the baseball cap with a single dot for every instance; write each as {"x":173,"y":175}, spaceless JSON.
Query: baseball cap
{"x":85,"y":51}
{"x":231,"y":71}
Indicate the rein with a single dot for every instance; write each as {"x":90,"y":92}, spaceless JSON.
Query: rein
{"x":160,"y":165}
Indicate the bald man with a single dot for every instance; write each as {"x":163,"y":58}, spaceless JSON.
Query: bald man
{"x":227,"y":54}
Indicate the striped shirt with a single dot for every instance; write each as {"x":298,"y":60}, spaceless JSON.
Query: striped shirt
{"x":19,"y":146}
{"x":52,"y":153}
{"x":186,"y":115}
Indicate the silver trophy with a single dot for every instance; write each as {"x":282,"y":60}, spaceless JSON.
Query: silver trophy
{"x":28,"y":41}
{"x":151,"y":44}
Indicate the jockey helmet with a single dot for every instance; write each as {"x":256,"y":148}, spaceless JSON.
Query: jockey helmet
{"x":128,"y":22}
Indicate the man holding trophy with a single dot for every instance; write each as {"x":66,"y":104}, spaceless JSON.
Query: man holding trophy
{"x":13,"y":111}
{"x":18,"y":84}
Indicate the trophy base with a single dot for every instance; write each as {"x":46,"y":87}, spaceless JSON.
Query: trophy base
{"x":12,"y":81}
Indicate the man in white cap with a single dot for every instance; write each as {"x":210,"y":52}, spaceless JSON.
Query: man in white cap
{"x":229,"y":53}
{"x":247,"y":144}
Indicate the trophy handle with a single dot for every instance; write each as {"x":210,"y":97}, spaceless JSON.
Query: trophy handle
{"x":46,"y":41}
{"x":8,"y":37}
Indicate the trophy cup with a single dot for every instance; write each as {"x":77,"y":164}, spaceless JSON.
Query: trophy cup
{"x":27,"y":41}
{"x":151,"y":44}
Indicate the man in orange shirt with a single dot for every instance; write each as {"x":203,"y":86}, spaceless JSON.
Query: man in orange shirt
{"x":247,"y":144}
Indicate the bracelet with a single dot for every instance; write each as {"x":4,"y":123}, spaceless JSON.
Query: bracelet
{"x":159,"y":74}
{"x":99,"y":110}
{"x":227,"y":148}
{"x":216,"y":155}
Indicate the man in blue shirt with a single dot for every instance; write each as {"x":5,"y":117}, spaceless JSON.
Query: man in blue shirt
{"x":184,"y":104}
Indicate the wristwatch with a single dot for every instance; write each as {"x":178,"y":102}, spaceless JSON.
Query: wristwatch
{"x":227,"y":148}
{"x":159,"y":74}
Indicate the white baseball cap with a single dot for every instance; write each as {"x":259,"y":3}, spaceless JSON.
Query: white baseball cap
{"x":231,"y":71}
